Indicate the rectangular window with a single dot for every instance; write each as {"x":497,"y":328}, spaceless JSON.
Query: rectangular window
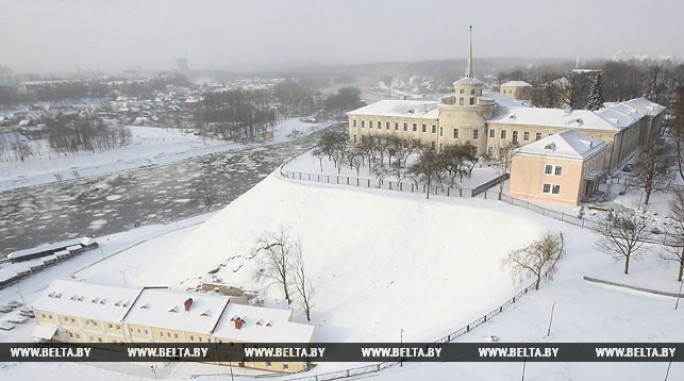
{"x":379,"y":125}
{"x":285,"y":366}
{"x":537,"y":136}
{"x":110,"y":326}
{"x":472,"y":101}
{"x":556,"y":189}
{"x":396,"y":126}
{"x":476,"y":134}
{"x":546,"y":188}
{"x":424,"y":128}
{"x":354,"y":122}
{"x":434,"y":129}
{"x":415,"y":127}
{"x":161,"y":334}
{"x":363,"y":124}
{"x":503,"y":134}
{"x":492,"y":133}
{"x":515,"y":136}
{"x":175,"y":335}
{"x":405,"y":127}
{"x":354,"y":138}
{"x":370,"y":124}
{"x":192,"y":338}
{"x":432,"y":145}
{"x":526,"y":135}
{"x":455,"y":133}
{"x":548,"y":169}
{"x":387,"y":125}
{"x":558,"y":170}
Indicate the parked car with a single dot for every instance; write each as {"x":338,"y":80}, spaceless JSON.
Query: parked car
{"x":627,"y":168}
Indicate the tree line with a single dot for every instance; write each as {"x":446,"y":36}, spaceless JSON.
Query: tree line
{"x":384,"y":156}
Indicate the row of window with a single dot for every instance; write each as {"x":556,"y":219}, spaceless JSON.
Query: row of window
{"x":492,"y":132}
{"x":526,"y":135}
{"x":555,"y":170}
{"x":396,"y":126}
{"x":551,"y":189}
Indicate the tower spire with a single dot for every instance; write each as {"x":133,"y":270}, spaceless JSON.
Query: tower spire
{"x":469,"y":66}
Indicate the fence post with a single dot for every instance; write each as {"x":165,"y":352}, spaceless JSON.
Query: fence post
{"x":347,"y":180}
{"x":401,"y":186}
{"x":338,"y":179}
{"x":448,"y":191}
{"x":318,"y":178}
{"x":368,"y":183}
{"x":411,"y":188}
{"x":357,"y":182}
{"x":328,"y":178}
{"x":300,"y":175}
{"x":390,"y":185}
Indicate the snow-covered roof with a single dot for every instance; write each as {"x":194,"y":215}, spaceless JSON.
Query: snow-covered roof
{"x":552,"y":117}
{"x":645,"y":106}
{"x":259,"y":324}
{"x":85,"y":241}
{"x":469,"y":81}
{"x":402,"y":108}
{"x":166,"y":308}
{"x":516,"y":84}
{"x":568,"y":144}
{"x":86,"y":300}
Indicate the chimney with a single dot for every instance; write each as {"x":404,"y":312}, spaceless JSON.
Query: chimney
{"x":238,"y":323}
{"x":187,"y":304}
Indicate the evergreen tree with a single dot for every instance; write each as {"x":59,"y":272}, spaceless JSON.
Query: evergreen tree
{"x":595,"y":101}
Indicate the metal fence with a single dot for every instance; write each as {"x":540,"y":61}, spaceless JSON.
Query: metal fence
{"x":658,"y":239}
{"x":406,"y":186}
{"x":373,"y":368}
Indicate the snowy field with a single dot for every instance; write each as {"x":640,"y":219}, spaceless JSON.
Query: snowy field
{"x":149,"y":146}
{"x":380,"y":261}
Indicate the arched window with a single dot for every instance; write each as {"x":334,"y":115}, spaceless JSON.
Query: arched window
{"x":462,"y":91}
{"x":472,"y":92}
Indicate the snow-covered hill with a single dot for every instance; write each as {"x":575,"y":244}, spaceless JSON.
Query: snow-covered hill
{"x":379,"y":261}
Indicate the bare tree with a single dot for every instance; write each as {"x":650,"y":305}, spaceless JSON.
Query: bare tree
{"x":301,"y":282}
{"x":677,"y":130}
{"x":539,"y":259}
{"x":502,"y":165}
{"x":651,"y":167}
{"x":623,"y":234}
{"x":676,"y":252}
{"x":276,"y":262}
{"x":428,"y":170}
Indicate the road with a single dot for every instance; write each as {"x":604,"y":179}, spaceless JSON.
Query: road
{"x":115,"y":203}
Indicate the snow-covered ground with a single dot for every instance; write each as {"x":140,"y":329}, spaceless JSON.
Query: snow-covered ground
{"x":308,"y":163}
{"x":149,"y":146}
{"x":381,"y":261}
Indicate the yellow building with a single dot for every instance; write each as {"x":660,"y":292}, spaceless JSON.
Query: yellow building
{"x":80,"y":312}
{"x":491,"y":121}
{"x":562,"y":168}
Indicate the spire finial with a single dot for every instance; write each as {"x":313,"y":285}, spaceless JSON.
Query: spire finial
{"x":469,"y":67}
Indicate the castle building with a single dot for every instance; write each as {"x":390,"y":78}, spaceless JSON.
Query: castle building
{"x":493,"y":121}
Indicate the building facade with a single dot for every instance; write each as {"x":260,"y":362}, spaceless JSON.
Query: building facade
{"x":562,"y":168}
{"x":493,"y":121}
{"x":80,"y":312}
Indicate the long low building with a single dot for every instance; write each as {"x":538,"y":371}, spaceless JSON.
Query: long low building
{"x":80,"y":312}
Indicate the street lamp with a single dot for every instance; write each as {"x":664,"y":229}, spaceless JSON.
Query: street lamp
{"x":679,"y":294}
{"x":401,"y":346}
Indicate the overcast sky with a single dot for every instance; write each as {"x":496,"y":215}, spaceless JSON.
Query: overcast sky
{"x":64,"y":35}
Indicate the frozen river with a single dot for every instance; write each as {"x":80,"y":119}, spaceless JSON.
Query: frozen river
{"x":114,"y":203}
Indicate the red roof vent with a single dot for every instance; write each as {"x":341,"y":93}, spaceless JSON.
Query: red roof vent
{"x":238,"y":323}
{"x":187,"y":304}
